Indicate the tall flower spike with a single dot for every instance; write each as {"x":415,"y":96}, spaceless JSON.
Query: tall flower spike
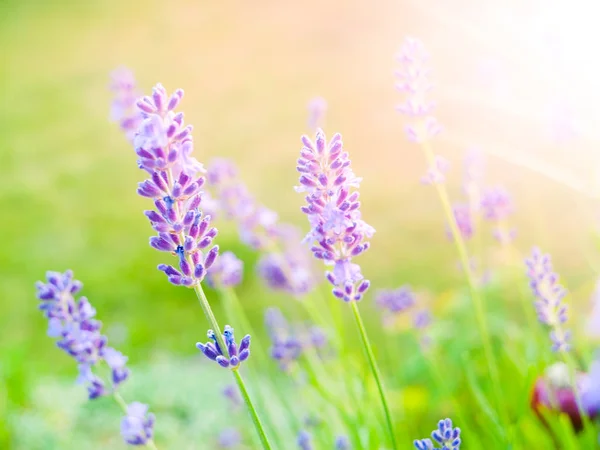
{"x":123,"y":109}
{"x":72,"y":321}
{"x":232,"y":356}
{"x":338,"y":233}
{"x":445,"y":435}
{"x":164,"y":146}
{"x":551,"y":310}
{"x":413,"y":82}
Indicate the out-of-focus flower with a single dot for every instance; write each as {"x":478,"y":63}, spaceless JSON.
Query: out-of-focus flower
{"x":590,"y":389}
{"x":232,"y":393}
{"x":445,"y":435}
{"x":496,"y":204}
{"x":233,"y":356}
{"x":72,"y":321}
{"x":123,"y":109}
{"x":137,"y":427}
{"x":395,"y":301}
{"x":229,"y":438}
{"x":164,"y":146}
{"x":464,"y":221}
{"x":342,"y":443}
{"x":437,"y":172}
{"x":227,"y":271}
{"x":551,"y":310}
{"x":413,"y":82}
{"x":317,"y":107}
{"x":554,"y":391}
{"x":304,"y":440}
{"x":338,"y":233}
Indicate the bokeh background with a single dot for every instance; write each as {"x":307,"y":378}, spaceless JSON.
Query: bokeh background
{"x":517,"y":79}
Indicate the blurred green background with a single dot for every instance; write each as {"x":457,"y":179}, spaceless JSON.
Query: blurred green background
{"x":68,"y":176}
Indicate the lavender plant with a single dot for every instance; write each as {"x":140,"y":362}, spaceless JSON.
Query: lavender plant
{"x":72,"y":321}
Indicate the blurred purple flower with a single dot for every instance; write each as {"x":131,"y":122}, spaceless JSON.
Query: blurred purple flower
{"x":464,"y":221}
{"x":123,"y":108}
{"x":285,"y":345}
{"x":413,"y":82}
{"x":229,"y":438}
{"x":496,"y":203}
{"x":227,"y":271}
{"x":164,"y":146}
{"x":137,"y":427}
{"x":233,"y":356}
{"x":317,"y":107}
{"x":338,"y":233}
{"x":342,"y":443}
{"x":551,"y":310}
{"x":72,"y":321}
{"x":304,"y":440}
{"x":590,"y":389}
{"x":232,"y":393}
{"x":395,"y":300}
{"x":437,"y":172}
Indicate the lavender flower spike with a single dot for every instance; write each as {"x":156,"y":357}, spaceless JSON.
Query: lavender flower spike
{"x":164,"y":146}
{"x":137,"y":427}
{"x":446,"y":435}
{"x":549,"y":305}
{"x":337,"y":231}
{"x":233,"y":356}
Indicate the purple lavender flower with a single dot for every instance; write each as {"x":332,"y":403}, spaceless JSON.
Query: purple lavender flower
{"x":72,"y":321}
{"x":256,"y":223}
{"x":395,"y":300}
{"x":164,"y":146}
{"x":446,"y":435}
{"x":549,"y":293}
{"x":414,"y":83}
{"x":317,"y":107}
{"x":233,"y":356}
{"x":337,"y":230}
{"x":590,"y":390}
{"x":304,"y":440}
{"x":286,"y":348}
{"x":342,"y":443}
{"x":288,"y":269}
{"x":496,"y":204}
{"x":229,"y":438}
{"x":137,"y":427}
{"x":227,"y":271}
{"x":464,"y":221}
{"x":123,"y":108}
{"x":436,"y":173}
{"x":232,"y":393}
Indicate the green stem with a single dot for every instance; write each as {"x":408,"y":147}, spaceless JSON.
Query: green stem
{"x":215,"y":326}
{"x":375,"y":370}
{"x":121,"y":402}
{"x":476,"y":298}
{"x":257,"y":424}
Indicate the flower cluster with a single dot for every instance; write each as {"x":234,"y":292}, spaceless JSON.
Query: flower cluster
{"x":227,"y":271}
{"x":395,"y":301}
{"x":342,"y":443}
{"x":164,"y":146}
{"x":497,"y":205}
{"x":445,"y":435}
{"x":233,"y":356}
{"x":304,"y":440}
{"x":123,"y":109}
{"x":437,"y":171}
{"x":137,"y":427}
{"x":72,"y":321}
{"x":551,"y":310}
{"x":464,"y":221}
{"x":283,"y":264}
{"x":337,"y":230}
{"x":289,"y":341}
{"x":413,"y":82}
